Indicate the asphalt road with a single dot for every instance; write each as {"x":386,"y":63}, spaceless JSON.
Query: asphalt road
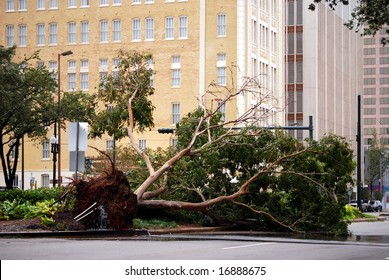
{"x":370,"y":241}
{"x":62,"y":249}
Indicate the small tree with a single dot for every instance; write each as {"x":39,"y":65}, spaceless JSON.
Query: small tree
{"x":26,"y":106}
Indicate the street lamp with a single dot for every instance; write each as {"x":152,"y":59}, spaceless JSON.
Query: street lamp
{"x":69,"y":52}
{"x":54,"y":149}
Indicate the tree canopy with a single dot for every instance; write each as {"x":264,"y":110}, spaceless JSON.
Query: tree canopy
{"x":26,"y":106}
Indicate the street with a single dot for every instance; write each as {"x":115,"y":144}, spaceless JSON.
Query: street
{"x":370,"y":241}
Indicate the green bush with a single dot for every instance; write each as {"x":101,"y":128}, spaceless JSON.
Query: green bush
{"x":16,"y":210}
{"x":33,"y":196}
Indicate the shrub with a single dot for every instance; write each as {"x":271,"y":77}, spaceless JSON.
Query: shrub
{"x":33,"y":196}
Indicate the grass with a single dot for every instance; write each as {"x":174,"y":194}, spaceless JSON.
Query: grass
{"x":353,"y":213}
{"x":153,"y":224}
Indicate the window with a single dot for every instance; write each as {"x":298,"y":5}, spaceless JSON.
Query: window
{"x":384,"y":90}
{"x":299,"y":72}
{"x":115,"y":67}
{"x":149,"y":1}
{"x":109,"y":145}
{"x":149,"y":29}
{"x":22,"y":35}
{"x":384,"y":50}
{"x":142,"y":144}
{"x":290,"y":12}
{"x":116,"y":2}
{"x":46,"y":149}
{"x":384,"y":80}
{"x":53,"y":4}
{"x":40,"y":34}
{"x":369,"y":101}
{"x":103,"y":70}
{"x":369,"y":91}
{"x":45,"y":180}
{"x":71,"y":81}
{"x":369,"y":61}
{"x":369,"y":71}
{"x":40,"y":4}
{"x":103,"y":2}
{"x":369,"y":111}
{"x":221,"y":25}
{"x":183,"y":28}
{"x":369,"y":41}
{"x":10,"y":5}
{"x":384,"y":111}
{"x":175,"y":113}
{"x":72,"y":3}
{"x":84,"y":78}
{"x":384,"y":60}
{"x":369,"y":51}
{"x":291,"y":72}
{"x":22,"y":5}
{"x":384,"y":100}
{"x":135,"y":1}
{"x":117,"y":36}
{"x":299,"y":12}
{"x":369,"y":121}
{"x":136,"y":29}
{"x":299,"y":43}
{"x":222,"y":109}
{"x":53,"y":34}
{"x":84,"y":75}
{"x":290,"y":43}
{"x":176,"y":71}
{"x":103,"y":31}
{"x":72,"y":33}
{"x":84,"y":32}
{"x":53,"y":69}
{"x":10,"y":35}
{"x":71,"y":75}
{"x":84,"y":3}
{"x":221,"y":69}
{"x":169,"y":28}
{"x":384,"y":70}
{"x":369,"y":81}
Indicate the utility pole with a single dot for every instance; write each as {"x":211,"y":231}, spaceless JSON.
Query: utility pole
{"x":359,"y":154}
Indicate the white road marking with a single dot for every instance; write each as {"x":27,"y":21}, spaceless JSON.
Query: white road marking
{"x":249,"y":245}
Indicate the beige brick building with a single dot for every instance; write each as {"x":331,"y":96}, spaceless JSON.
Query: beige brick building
{"x":194,"y":43}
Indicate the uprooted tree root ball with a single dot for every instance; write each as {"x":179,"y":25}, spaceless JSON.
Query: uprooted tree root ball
{"x":105,"y":202}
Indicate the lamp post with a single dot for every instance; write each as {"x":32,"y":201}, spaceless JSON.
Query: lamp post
{"x":69,"y":52}
{"x":54,"y":149}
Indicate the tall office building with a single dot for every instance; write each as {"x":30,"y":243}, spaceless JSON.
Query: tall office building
{"x":376,"y":102}
{"x":194,"y":43}
{"x":323,"y":69}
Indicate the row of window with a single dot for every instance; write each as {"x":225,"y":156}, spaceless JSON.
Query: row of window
{"x":84,"y":29}
{"x":373,"y":71}
{"x":373,"y":90}
{"x":21,"y":5}
{"x":116,"y":27}
{"x":373,"y":81}
{"x":373,"y":61}
{"x":221,"y":65}
{"x":373,"y":51}
{"x":373,"y":101}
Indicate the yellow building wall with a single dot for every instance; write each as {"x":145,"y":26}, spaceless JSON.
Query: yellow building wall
{"x":198,"y":55}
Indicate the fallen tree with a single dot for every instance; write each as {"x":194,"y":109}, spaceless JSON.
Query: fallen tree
{"x":286,"y":172}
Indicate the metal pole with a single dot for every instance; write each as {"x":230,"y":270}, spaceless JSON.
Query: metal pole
{"x":310,"y":127}
{"x":59,"y":120}
{"x":359,"y":154}
{"x":55,"y":150}
{"x":77,"y":144}
{"x":23,"y":163}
